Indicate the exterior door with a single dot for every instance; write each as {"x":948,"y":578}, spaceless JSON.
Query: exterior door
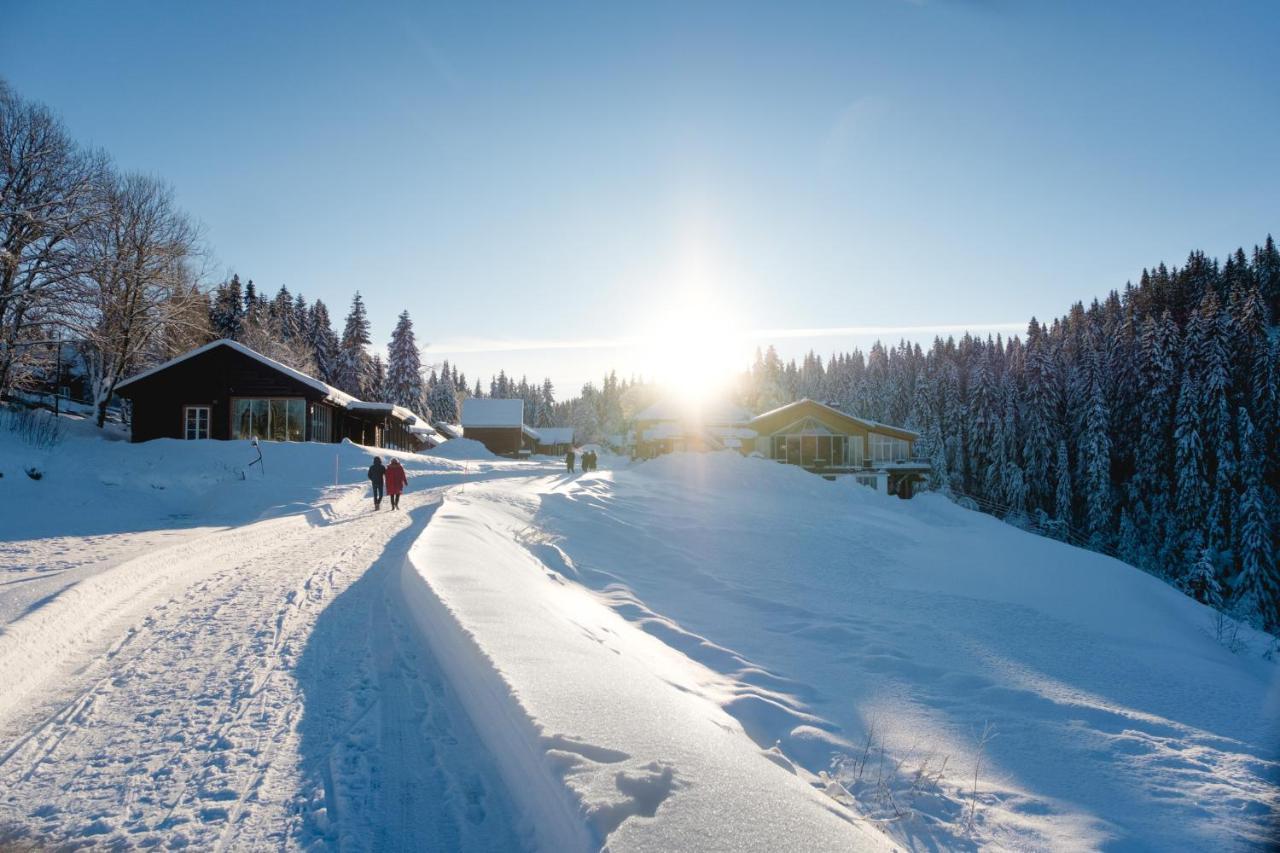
{"x":195,"y":421}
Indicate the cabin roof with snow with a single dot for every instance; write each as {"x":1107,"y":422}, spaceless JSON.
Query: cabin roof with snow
{"x":491,"y":412}
{"x":711,"y":413}
{"x":447,"y":429}
{"x":776,"y":419}
{"x":330,"y":394}
{"x":555,"y":435}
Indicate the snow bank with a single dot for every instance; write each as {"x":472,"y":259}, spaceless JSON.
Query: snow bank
{"x":609,"y":735}
{"x":857,"y":632}
{"x":461,"y":448}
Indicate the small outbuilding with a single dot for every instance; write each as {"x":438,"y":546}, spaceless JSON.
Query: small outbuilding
{"x":668,"y":427}
{"x":554,"y":441}
{"x":498,"y":424}
{"x":225,"y":390}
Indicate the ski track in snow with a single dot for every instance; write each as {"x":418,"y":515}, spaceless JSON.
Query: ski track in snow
{"x":248,"y":688}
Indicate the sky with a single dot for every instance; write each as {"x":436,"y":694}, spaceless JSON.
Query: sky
{"x":558,"y":190}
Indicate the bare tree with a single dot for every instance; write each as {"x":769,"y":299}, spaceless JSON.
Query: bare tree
{"x":47,"y":199}
{"x":137,"y":285}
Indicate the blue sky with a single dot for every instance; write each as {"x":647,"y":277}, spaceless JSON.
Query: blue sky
{"x":562,"y":177}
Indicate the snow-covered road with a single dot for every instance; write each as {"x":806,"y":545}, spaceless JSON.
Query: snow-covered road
{"x":253,"y":686}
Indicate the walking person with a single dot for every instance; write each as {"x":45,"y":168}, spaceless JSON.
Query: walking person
{"x":396,"y":480}
{"x":568,"y":460}
{"x":376,"y":474}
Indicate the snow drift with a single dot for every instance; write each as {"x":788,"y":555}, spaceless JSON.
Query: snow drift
{"x":862,"y":644}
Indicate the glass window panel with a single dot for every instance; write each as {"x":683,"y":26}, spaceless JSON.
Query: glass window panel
{"x":258,"y":412}
{"x":297,"y":420}
{"x":279,"y":419}
{"x":241,"y":419}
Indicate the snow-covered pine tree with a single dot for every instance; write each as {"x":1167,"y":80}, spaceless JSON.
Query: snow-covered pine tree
{"x":443,"y":399}
{"x":226,"y":314}
{"x":546,"y":404}
{"x":323,"y":342}
{"x":377,"y":391}
{"x":1201,"y":582}
{"x":1042,"y":401}
{"x":1257,"y":588}
{"x":1191,"y":484}
{"x":404,"y":368}
{"x":1063,"y":498}
{"x":354,"y":372}
{"x":1095,"y":452}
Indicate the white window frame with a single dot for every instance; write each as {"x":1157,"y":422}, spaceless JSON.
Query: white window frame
{"x":197,"y":408}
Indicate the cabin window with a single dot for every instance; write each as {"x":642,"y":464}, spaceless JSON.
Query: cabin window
{"x":321,"y":423}
{"x":195,"y":422}
{"x":280,"y":419}
{"x":888,"y":449}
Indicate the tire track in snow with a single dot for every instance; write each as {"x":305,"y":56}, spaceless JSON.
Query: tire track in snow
{"x":187,"y":720}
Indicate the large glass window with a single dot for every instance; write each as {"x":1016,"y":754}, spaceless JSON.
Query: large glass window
{"x":887,"y":449}
{"x":321,"y":423}
{"x":297,"y":428}
{"x":241,"y":419}
{"x":273,"y":420}
{"x":261,"y":418}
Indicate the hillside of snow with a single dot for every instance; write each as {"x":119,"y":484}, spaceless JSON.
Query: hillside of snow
{"x":861,"y":645}
{"x":698,"y":651}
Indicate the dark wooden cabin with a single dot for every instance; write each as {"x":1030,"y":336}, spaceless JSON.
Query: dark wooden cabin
{"x":499,"y":425}
{"x":225,"y":390}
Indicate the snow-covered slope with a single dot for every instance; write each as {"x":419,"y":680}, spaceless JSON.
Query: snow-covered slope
{"x":188,"y":658}
{"x":860,"y":642}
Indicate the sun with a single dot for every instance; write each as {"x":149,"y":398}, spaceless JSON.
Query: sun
{"x":695,"y":347}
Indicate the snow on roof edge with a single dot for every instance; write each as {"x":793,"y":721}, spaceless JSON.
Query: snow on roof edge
{"x":341,"y":397}
{"x":867,"y":422}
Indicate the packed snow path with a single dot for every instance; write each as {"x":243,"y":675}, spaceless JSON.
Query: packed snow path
{"x":252,"y":687}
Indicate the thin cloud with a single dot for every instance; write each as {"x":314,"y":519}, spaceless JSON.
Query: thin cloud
{"x":481,"y":345}
{"x":866,"y":331}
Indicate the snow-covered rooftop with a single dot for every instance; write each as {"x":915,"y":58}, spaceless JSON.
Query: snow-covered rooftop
{"x":447,"y":429}
{"x":400,"y":412}
{"x":868,"y":423}
{"x":332,"y":394}
{"x":556,"y":435}
{"x":707,"y":413}
{"x":491,"y":412}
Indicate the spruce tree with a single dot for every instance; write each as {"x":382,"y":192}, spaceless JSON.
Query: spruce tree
{"x":404,"y":368}
{"x":354,"y":372}
{"x":443,"y":400}
{"x":1258,"y":585}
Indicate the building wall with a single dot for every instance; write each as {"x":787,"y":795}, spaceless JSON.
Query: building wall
{"x":210,"y":379}
{"x":504,"y":441}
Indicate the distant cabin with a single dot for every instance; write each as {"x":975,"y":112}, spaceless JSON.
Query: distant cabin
{"x":225,"y":390}
{"x":669,"y":426}
{"x":821,"y":438}
{"x":499,"y":425}
{"x":554,"y":441}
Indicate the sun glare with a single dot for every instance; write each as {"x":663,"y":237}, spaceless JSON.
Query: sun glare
{"x":695,"y":347}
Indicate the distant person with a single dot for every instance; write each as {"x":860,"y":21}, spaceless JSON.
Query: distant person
{"x":589,"y":460}
{"x":568,"y":461}
{"x":376,"y":474}
{"x":396,"y":480}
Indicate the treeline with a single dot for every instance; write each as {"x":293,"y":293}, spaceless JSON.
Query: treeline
{"x":89,"y":254}
{"x":1146,"y":425}
{"x":289,"y":329}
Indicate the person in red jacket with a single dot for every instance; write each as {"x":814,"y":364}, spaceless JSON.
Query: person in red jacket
{"x":396,"y":480}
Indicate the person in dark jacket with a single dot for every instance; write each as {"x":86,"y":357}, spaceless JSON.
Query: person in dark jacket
{"x":396,"y":481}
{"x":376,"y":475}
{"x":568,"y":461}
